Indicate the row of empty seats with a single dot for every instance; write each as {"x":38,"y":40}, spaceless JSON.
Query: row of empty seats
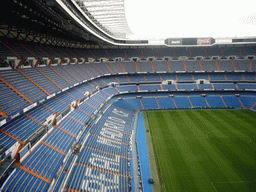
{"x":27,"y":49}
{"x":154,"y":66}
{"x":47,"y":157}
{"x":103,"y":164}
{"x":190,"y":100}
{"x":21,"y":87}
{"x":22,"y":127}
{"x":186,"y":86}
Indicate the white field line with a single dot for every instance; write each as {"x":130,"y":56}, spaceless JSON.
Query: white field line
{"x":214,"y":187}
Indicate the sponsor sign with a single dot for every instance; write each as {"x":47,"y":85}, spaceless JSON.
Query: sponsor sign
{"x":65,"y":89}
{"x":2,"y":122}
{"x":29,"y":107}
{"x":204,"y":41}
{"x":41,"y":101}
{"x":174,"y":41}
{"x":16,"y":115}
{"x":50,"y":96}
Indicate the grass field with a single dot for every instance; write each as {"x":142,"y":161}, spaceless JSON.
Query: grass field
{"x":203,"y":150}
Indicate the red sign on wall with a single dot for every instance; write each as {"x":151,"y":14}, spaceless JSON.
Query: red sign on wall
{"x":203,"y":41}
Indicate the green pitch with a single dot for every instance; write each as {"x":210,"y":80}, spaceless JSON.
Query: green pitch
{"x":203,"y":150}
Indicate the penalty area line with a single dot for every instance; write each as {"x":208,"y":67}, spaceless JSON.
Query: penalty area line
{"x":214,"y":187}
{"x":233,"y":182}
{"x":229,"y":182}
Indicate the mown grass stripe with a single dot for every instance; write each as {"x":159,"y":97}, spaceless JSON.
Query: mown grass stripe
{"x":190,"y":155}
{"x":213,"y":163}
{"x":205,"y":153}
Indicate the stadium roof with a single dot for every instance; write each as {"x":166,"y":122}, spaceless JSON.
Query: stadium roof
{"x":109,"y":14}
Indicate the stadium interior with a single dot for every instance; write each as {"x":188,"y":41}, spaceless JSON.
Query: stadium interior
{"x":71,"y":90}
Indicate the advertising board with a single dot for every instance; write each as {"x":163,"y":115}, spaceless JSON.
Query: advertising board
{"x":204,"y":41}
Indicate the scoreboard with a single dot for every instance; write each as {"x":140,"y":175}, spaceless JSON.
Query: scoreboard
{"x":202,"y":41}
